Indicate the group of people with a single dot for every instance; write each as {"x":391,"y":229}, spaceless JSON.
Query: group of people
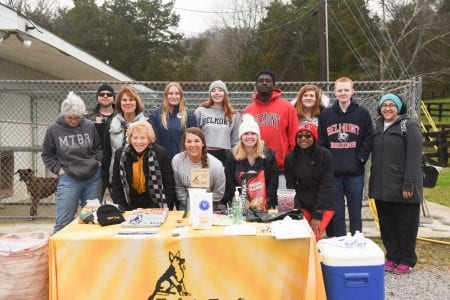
{"x":318,"y":150}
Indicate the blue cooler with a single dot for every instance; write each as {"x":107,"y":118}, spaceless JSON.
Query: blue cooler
{"x":352,"y":273}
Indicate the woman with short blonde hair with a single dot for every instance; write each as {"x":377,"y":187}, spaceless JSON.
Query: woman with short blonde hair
{"x":142,"y":173}
{"x":141,"y":127}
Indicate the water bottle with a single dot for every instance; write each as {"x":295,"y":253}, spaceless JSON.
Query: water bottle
{"x":349,"y":241}
{"x":360,"y":240}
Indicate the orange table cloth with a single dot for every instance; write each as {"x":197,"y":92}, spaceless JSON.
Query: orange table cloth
{"x":92,"y":262}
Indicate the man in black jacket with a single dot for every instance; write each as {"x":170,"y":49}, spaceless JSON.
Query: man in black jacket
{"x":102,"y":115}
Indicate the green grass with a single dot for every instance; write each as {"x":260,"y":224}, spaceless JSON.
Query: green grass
{"x":441,"y":192}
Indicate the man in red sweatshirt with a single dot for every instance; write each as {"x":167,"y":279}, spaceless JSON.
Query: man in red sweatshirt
{"x":276,"y":117}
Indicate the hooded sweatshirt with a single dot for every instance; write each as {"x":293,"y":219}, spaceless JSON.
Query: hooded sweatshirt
{"x":278,"y":123}
{"x":75,"y":149}
{"x":348,"y":136}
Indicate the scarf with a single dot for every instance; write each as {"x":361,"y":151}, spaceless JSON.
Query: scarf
{"x":155,"y":186}
{"x":138,"y":182}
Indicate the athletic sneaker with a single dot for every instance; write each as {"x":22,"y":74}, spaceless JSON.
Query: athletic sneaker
{"x":389,"y":266}
{"x":402,"y":269}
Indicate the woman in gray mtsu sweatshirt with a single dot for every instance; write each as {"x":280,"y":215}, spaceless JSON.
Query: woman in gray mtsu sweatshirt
{"x":72,"y":150}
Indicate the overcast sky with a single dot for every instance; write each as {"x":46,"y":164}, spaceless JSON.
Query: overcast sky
{"x":196,"y":16}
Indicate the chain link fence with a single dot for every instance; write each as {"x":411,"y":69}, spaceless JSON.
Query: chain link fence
{"x":27,"y":107}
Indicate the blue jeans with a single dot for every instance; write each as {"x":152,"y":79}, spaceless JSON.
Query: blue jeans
{"x":70,"y":191}
{"x":352,"y":189}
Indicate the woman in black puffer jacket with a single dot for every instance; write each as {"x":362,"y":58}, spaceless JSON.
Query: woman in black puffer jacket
{"x":396,"y":182}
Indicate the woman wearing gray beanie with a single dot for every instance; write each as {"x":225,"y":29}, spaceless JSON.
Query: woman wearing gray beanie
{"x":219,"y":121}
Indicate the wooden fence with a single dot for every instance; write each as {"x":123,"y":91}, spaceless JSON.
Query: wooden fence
{"x":436,"y":144}
{"x":438,"y":109}
{"x":434,"y":95}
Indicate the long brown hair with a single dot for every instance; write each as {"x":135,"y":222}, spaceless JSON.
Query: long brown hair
{"x":181,"y":106}
{"x":198,"y":132}
{"x":227,"y":108}
{"x":299,"y":104}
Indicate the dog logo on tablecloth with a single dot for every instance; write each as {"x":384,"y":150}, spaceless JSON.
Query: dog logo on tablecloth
{"x":172,"y":281}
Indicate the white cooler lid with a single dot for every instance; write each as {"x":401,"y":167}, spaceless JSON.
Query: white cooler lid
{"x":334,"y":253}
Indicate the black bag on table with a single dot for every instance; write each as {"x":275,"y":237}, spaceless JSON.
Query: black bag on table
{"x":254,"y":215}
{"x":108,"y":214}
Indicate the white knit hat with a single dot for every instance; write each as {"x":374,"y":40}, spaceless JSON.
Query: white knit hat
{"x":218,"y":84}
{"x":248,"y":125}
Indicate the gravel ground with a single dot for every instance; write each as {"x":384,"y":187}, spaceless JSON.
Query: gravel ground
{"x":423,"y":284}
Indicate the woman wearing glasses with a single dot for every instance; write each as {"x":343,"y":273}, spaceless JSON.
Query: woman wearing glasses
{"x":309,"y":170}
{"x":396,"y":182}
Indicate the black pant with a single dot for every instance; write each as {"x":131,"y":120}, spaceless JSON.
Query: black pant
{"x":399,"y":224}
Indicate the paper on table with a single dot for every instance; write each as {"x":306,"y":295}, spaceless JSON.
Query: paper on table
{"x":138,"y":231}
{"x":290,"y":229}
{"x":180,"y":231}
{"x":241,"y":229}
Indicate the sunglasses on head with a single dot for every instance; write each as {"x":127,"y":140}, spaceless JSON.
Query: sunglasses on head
{"x":304,"y":135}
{"x":105,"y":94}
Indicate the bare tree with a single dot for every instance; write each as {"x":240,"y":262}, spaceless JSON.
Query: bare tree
{"x":227,"y":41}
{"x":416,"y":39}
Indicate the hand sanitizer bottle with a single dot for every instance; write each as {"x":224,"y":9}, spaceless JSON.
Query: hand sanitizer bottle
{"x":237,"y":208}
{"x":236,"y":212}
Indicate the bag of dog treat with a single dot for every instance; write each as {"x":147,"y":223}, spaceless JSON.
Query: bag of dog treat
{"x":88,"y":213}
{"x":253,"y":185}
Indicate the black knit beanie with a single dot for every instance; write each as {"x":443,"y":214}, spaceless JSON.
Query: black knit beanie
{"x":105,"y":87}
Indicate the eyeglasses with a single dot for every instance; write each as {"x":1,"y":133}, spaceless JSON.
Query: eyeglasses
{"x":306,"y":135}
{"x":105,"y":94}
{"x":388,"y":105}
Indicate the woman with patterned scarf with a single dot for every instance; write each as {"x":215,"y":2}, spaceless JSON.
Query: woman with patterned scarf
{"x":142,"y":173}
